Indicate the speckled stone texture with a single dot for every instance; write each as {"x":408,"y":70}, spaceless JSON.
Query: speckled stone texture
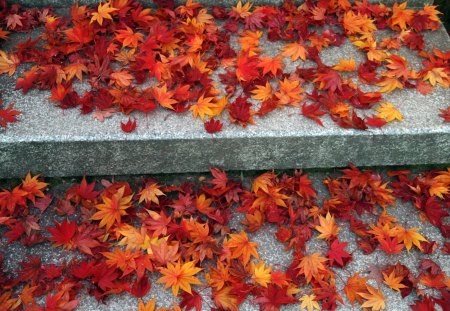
{"x":225,"y":3}
{"x":65,"y":143}
{"x":271,"y":252}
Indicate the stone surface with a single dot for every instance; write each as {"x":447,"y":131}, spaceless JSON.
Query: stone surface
{"x":64,"y":142}
{"x":270,"y":250}
{"x":226,"y":3}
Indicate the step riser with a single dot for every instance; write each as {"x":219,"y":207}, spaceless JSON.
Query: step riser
{"x":225,"y":3}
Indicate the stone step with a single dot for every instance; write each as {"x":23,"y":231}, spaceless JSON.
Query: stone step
{"x":64,"y":142}
{"x":226,"y":3}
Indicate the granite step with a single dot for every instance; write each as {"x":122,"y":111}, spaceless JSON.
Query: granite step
{"x":66,"y":143}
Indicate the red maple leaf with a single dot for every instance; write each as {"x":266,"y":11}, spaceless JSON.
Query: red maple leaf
{"x":445,"y":114}
{"x":313,"y":112}
{"x":8,"y":115}
{"x":273,"y":297}
{"x":337,"y":254}
{"x":140,"y":287}
{"x":63,"y":233}
{"x":239,"y":111}
{"x":129,"y":126}
{"x":213,"y":126}
{"x":191,"y":301}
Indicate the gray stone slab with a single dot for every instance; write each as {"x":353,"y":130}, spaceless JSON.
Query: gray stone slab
{"x":271,"y":252}
{"x":65,"y":143}
{"x":226,"y":3}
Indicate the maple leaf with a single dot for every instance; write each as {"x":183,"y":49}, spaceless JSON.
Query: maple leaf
{"x":63,"y":233}
{"x":294,"y":51}
{"x":400,"y":16}
{"x":289,"y":92}
{"x":129,"y":38}
{"x":398,"y":67}
{"x":150,"y":193}
{"x":164,"y":97}
{"x":103,"y":11}
{"x":203,"y":107}
{"x":60,"y":92}
{"x":410,"y":237}
{"x":179,"y":276}
{"x":329,"y":80}
{"x":247,"y":67}
{"x":124,"y":260}
{"x":262,"y":92}
{"x":8,"y":115}
{"x":121,"y":78}
{"x":313,"y":112}
{"x":327,"y":228}
{"x":272,"y":65}
{"x":81,"y":34}
{"x":273,"y":297}
{"x":309,"y":303}
{"x":437,"y":76}
{"x":393,"y":281}
{"x":83,"y":191}
{"x":191,"y":301}
{"x":345,"y":65}
{"x":337,"y":254}
{"x":355,"y":285}
{"x":374,"y":299}
{"x":112,"y":209}
{"x":311,"y":265}
{"x":33,"y":187}
{"x":388,"y":112}
{"x":128,"y":126}
{"x":241,"y":247}
{"x":8,"y":64}
{"x":263,"y":182}
{"x":213,"y":126}
{"x":14,"y":20}
{"x":75,"y":70}
{"x":357,"y":23}
{"x":239,"y":111}
{"x":261,"y":274}
{"x":4,"y":34}
{"x":389,"y":85}
{"x":241,"y":11}
{"x":150,"y":306}
{"x":225,"y":299}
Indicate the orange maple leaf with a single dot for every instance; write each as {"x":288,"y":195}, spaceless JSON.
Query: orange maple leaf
{"x":410,"y":237}
{"x":203,"y":107}
{"x":262,"y":92}
{"x":225,"y":299}
{"x":327,"y":227}
{"x":164,"y":97}
{"x":289,"y":92}
{"x":272,"y":65}
{"x":75,"y":70}
{"x":149,"y":306}
{"x":112,"y":209}
{"x":261,"y":274}
{"x":128,"y":37}
{"x":294,"y":51}
{"x":263,"y":182}
{"x":357,"y":23}
{"x":398,"y":67}
{"x":179,"y":276}
{"x":355,"y":285}
{"x":374,"y":299}
{"x":389,"y":85}
{"x":241,"y":247}
{"x":124,"y":260}
{"x":393,"y":281}
{"x":8,"y":63}
{"x":400,"y":16}
{"x":33,"y":187}
{"x":311,"y":266}
{"x":345,"y":65}
{"x":103,"y":11}
{"x":121,"y":78}
{"x":150,"y":193}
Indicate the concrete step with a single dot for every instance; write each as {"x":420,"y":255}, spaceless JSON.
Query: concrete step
{"x":64,"y":142}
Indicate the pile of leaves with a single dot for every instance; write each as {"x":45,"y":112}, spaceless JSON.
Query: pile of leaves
{"x":138,"y":59}
{"x":124,"y":234}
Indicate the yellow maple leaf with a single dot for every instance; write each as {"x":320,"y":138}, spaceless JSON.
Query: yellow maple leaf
{"x":327,"y":227}
{"x":389,"y":85}
{"x":261,"y":274}
{"x":437,"y":76}
{"x":388,"y":112}
{"x":8,"y":64}
{"x":242,"y":11}
{"x":393,"y":281}
{"x":262,"y":92}
{"x":112,"y":209}
{"x":150,"y":193}
{"x":103,"y":11}
{"x":203,"y":107}
{"x":179,"y":276}
{"x":241,"y":247}
{"x":374,"y":299}
{"x":410,"y":237}
{"x":309,"y":303}
{"x":294,"y":51}
{"x":225,"y":299}
{"x":345,"y":65}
